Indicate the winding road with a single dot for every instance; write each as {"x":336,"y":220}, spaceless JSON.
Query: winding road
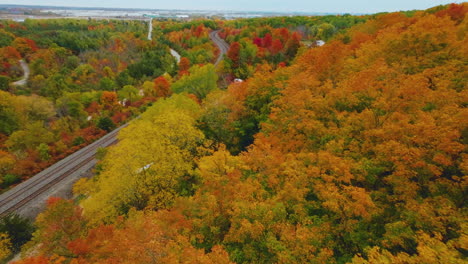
{"x":174,"y":53}
{"x":26,"y":73}
{"x":222,"y":45}
{"x":29,"y":197}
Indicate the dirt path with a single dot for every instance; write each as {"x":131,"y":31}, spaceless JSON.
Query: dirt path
{"x":26,"y":71}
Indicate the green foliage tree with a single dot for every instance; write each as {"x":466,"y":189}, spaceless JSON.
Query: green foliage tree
{"x":107,"y":84}
{"x":55,"y":86}
{"x":19,"y":230}
{"x":124,"y":78}
{"x":43,"y":150}
{"x":105,"y":123}
{"x":200,"y":81}
{"x":129,"y":92}
{"x":4,"y":83}
{"x":36,"y":108}
{"x":29,"y":138}
{"x":153,"y":64}
{"x":324,"y":31}
{"x":71,"y":62}
{"x":5,"y":38}
{"x":70,"y":105}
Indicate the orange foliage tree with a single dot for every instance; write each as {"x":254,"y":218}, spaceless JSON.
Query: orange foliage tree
{"x":162,"y":87}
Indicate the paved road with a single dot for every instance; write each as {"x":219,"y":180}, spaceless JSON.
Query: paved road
{"x":222,"y":45}
{"x":28,"y":198}
{"x":26,"y":71}
{"x":174,"y":53}
{"x":150,"y":30}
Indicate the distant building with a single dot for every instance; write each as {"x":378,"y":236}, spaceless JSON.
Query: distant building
{"x":238,"y":80}
{"x":319,"y":43}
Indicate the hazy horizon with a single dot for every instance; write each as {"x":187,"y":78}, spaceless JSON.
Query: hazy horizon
{"x":332,"y":6}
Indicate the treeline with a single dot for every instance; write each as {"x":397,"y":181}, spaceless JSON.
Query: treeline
{"x":355,"y":153}
{"x":253,"y":42}
{"x":319,"y":27}
{"x":276,"y":40}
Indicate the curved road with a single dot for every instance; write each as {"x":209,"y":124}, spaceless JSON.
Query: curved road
{"x":28,"y":198}
{"x":150,"y":37}
{"x":176,"y":55}
{"x":26,"y":71}
{"x":222,"y":45}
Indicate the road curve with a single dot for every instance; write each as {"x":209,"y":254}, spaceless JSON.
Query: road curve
{"x":176,"y":55}
{"x":26,"y":73}
{"x":222,"y":45}
{"x":150,"y":38}
{"x":28,"y":198}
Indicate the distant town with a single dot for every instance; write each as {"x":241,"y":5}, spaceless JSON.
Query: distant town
{"x":22,"y":12}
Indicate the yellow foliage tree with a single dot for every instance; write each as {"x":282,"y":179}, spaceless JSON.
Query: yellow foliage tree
{"x":151,"y":165}
{"x":5,"y":246}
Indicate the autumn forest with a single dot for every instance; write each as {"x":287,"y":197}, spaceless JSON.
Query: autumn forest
{"x":315,"y":139}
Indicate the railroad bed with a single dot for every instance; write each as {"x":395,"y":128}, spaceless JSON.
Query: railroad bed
{"x":29,"y":197}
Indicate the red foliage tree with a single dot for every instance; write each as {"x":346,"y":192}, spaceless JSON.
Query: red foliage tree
{"x":162,"y":87}
{"x":24,"y":45}
{"x":257,"y":41}
{"x":293,"y":44}
{"x":184,"y":65}
{"x":198,"y":31}
{"x":119,"y":117}
{"x":234,"y":53}
{"x":93,"y":108}
{"x":91,"y":133}
{"x":455,"y":11}
{"x":276,"y":47}
{"x":10,"y":53}
{"x":267,"y":40}
{"x":283,"y":34}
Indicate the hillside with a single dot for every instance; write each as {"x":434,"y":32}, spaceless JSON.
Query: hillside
{"x":351,"y":152}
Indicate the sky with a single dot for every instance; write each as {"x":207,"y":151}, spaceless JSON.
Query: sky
{"x":325,"y":6}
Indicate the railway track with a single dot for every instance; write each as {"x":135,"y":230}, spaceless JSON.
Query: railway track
{"x":26,"y":192}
